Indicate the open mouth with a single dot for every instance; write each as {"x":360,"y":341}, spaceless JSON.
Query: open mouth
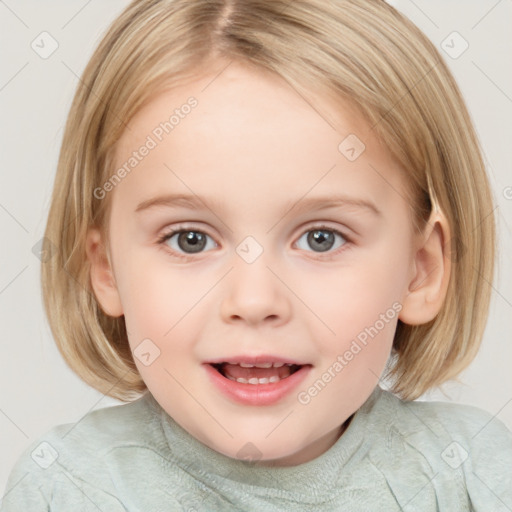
{"x":261,"y":373}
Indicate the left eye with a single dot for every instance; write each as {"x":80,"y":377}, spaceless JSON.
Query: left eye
{"x":186,"y":242}
{"x":322,"y":239}
{"x":189,"y":241}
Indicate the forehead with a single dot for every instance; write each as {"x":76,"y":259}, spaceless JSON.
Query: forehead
{"x":251,"y":132}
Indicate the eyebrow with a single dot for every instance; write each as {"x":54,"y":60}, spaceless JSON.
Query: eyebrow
{"x":195,"y":202}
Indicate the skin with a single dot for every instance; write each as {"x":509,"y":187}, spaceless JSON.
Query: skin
{"x":255,"y":145}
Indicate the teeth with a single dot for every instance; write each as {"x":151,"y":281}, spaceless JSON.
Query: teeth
{"x":261,"y":365}
{"x":282,"y":374}
{"x":254,"y":380}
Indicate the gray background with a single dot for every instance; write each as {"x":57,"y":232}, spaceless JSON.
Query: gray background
{"x":38,"y":390}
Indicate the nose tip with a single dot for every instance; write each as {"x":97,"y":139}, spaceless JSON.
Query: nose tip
{"x":252,"y":293}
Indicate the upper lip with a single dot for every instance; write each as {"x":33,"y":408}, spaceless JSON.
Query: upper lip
{"x":257,"y":359}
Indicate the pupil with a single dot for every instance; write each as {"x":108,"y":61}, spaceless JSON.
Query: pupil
{"x":196,"y":240}
{"x":324,"y":239}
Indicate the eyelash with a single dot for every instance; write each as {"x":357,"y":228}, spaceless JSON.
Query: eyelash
{"x":181,"y":228}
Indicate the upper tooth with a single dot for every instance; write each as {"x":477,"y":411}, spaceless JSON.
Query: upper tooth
{"x":262,"y":365}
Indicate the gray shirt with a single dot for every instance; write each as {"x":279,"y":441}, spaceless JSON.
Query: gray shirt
{"x":395,"y":455}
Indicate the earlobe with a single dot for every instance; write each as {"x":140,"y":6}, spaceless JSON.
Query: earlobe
{"x":431,"y":266}
{"x":101,"y":276}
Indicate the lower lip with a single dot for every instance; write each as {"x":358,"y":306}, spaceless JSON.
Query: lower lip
{"x":257,"y":394}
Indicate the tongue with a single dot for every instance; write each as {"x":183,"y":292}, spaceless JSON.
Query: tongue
{"x":236,"y":371}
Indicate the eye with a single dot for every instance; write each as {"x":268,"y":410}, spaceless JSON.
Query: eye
{"x":183,"y":241}
{"x":322,"y":239}
{"x":189,"y":241}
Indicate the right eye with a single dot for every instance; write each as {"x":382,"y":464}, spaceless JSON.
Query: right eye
{"x":185,"y":241}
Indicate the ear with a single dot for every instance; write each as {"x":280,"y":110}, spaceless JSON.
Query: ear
{"x":102,"y":277}
{"x":430,"y":273}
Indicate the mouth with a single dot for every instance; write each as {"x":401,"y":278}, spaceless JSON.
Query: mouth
{"x":256,"y":373}
{"x":261,"y":380}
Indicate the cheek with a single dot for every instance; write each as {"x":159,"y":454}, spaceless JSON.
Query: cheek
{"x":360,"y":306}
{"x":161,"y":316}
{"x":154,"y":298}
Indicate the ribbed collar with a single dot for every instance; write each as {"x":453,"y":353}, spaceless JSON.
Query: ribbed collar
{"x":316,"y":477}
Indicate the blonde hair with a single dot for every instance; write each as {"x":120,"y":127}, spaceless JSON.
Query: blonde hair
{"x":364,"y":52}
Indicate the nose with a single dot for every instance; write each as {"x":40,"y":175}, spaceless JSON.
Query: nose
{"x":254,"y":294}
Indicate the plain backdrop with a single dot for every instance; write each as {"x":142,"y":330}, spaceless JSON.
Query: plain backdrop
{"x":38,"y":390}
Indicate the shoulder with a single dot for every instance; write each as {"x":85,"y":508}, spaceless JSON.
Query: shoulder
{"x":99,"y":431}
{"x":455,"y":443}
{"x":475,"y":429}
{"x":69,"y":460}
{"x":441,"y":421}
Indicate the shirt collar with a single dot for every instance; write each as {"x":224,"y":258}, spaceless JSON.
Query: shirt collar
{"x":317,"y":476}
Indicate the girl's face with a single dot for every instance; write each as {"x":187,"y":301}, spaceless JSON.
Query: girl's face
{"x":294,"y":245}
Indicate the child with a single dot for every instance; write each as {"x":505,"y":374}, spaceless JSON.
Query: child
{"x":320,"y":161}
